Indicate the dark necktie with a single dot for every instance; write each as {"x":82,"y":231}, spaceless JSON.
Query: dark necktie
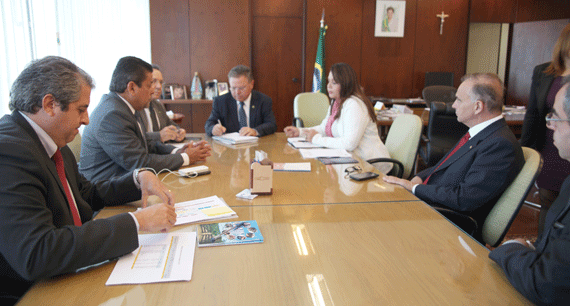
{"x":58,"y":160}
{"x":155,"y":126}
{"x":242,"y":117}
{"x":142,"y":120}
{"x":142,"y":128}
{"x":462,"y":141}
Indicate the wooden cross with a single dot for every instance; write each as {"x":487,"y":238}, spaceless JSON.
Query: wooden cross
{"x":442,"y":16}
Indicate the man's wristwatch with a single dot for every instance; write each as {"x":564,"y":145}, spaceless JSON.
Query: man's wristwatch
{"x":136,"y":174}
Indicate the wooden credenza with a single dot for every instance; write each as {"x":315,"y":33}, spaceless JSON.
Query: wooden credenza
{"x":195,"y":112}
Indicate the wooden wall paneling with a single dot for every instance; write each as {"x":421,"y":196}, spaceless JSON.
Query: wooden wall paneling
{"x":435,"y":52}
{"x":532,"y":44}
{"x":343,"y":42}
{"x":220,"y":37}
{"x":533,"y":10}
{"x":278,"y":8}
{"x":498,"y":11}
{"x":277,"y":49}
{"x":388,"y":62}
{"x":170,"y":41}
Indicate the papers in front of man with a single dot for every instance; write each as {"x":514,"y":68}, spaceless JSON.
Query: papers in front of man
{"x":235,"y":139}
{"x":314,"y":153}
{"x":206,"y":209}
{"x":159,"y":258}
{"x":292,"y":167}
{"x":301,"y":143}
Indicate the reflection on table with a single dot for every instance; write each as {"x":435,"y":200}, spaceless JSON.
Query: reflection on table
{"x":328,"y":241}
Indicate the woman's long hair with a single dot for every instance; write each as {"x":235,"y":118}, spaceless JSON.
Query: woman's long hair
{"x":345,"y":76}
{"x":560,"y":53}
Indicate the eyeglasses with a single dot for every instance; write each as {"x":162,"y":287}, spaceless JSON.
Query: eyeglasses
{"x":352,"y":169}
{"x":551,"y":118}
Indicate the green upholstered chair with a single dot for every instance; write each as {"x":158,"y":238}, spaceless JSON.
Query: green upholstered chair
{"x":75,"y":146}
{"x":402,"y":142}
{"x":505,"y":210}
{"x":309,"y":109}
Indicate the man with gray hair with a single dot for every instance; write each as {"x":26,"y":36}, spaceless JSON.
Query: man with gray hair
{"x":541,"y":271}
{"x":243,"y":109}
{"x":46,"y":206}
{"x":472,"y":176}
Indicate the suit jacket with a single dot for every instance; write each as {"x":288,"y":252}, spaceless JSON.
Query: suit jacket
{"x":534,"y":126}
{"x":37,"y":235}
{"x":162,"y":119}
{"x":261,"y":116}
{"x":113,"y":144}
{"x":472,"y":180}
{"x":542,"y":275}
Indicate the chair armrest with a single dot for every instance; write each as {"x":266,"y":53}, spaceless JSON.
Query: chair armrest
{"x":398,"y":173}
{"x":299,"y":121}
{"x":464,"y":222}
{"x":424,"y":138}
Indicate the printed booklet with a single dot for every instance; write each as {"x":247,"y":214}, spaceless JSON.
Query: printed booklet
{"x":228,"y":233}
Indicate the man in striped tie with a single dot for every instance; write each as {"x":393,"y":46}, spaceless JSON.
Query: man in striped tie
{"x":541,"y":271}
{"x":474,"y":174}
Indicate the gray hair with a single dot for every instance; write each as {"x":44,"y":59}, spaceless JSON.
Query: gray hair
{"x":50,"y":75}
{"x":488,"y":88}
{"x":240,"y":70}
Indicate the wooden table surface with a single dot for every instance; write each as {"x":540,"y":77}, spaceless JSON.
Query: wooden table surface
{"x":327,"y":242}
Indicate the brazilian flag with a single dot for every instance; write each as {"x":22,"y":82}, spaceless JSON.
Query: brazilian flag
{"x":319,"y":80}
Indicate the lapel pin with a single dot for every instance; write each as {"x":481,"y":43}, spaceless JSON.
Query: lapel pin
{"x":253,"y":106}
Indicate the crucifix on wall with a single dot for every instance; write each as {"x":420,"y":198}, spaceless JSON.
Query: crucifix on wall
{"x":442,"y":16}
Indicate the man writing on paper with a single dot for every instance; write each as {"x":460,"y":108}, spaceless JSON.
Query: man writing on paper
{"x":541,"y":271}
{"x":473,"y":175}
{"x":46,"y":206}
{"x":114,"y":143}
{"x":243,"y":109}
{"x":157,"y":124}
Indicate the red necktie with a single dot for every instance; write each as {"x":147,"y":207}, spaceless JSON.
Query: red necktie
{"x":58,"y":159}
{"x":462,"y":141}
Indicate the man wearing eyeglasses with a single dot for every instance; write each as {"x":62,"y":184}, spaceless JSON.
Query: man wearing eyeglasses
{"x":243,"y":109}
{"x":472,"y":176}
{"x":541,"y":271}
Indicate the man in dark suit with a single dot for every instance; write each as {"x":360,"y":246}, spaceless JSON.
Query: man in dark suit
{"x":243,"y":109}
{"x":114,"y":143}
{"x":158,"y":126}
{"x":472,"y":176}
{"x":541,"y":271}
{"x":46,"y":206}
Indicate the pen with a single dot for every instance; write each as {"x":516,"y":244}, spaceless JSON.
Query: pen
{"x":234,"y":228}
{"x":219,"y":122}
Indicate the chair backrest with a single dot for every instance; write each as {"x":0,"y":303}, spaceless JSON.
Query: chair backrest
{"x":443,"y":132}
{"x":311,"y":107}
{"x":505,"y":210}
{"x":438,"y":78}
{"x":439,"y":93}
{"x":403,"y":141}
{"x":75,"y":146}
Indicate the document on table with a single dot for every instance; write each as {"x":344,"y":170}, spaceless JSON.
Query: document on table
{"x":205,"y":209}
{"x":159,"y":258}
{"x":301,"y":143}
{"x":314,"y":153}
{"x":293,"y":167}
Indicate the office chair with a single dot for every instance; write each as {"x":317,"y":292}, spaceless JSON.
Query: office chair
{"x":309,"y":109}
{"x":505,"y":210}
{"x":438,"y":78}
{"x":402,"y":142}
{"x":442,"y":133}
{"x":75,"y":146}
{"x":439,"y":93}
{"x":502,"y":215}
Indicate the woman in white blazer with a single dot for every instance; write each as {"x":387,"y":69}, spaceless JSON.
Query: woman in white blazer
{"x":351,"y":120}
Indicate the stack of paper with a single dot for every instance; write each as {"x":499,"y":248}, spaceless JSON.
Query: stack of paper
{"x":206,"y":209}
{"x":235,"y":138}
{"x":314,"y":153}
{"x":301,"y":143}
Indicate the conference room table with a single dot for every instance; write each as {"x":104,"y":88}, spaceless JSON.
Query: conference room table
{"x":328,"y":240}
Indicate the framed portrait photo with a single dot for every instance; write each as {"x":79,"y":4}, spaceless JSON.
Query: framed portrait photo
{"x":223,"y":88}
{"x":390,"y":18}
{"x":178,"y":92}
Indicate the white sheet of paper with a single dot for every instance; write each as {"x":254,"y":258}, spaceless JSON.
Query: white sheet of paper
{"x":314,"y":153}
{"x":159,"y":258}
{"x":293,"y":167}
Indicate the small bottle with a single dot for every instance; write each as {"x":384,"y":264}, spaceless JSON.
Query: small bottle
{"x":196,"y":88}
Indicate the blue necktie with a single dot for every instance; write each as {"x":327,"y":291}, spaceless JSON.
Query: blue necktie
{"x":242,"y":117}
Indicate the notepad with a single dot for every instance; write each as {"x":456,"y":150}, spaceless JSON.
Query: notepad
{"x":315,"y":153}
{"x":301,"y":143}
